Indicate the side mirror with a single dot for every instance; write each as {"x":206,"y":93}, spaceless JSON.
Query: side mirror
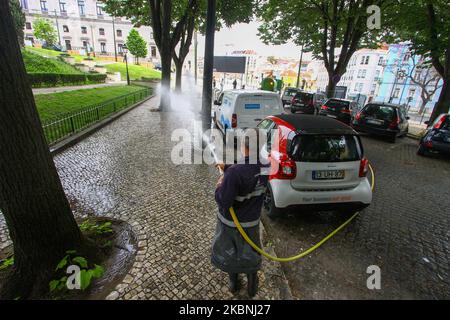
{"x":216,"y":103}
{"x":427,"y":122}
{"x":407,"y":118}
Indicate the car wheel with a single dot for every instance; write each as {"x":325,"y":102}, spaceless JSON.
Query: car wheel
{"x":269,"y":204}
{"x":292,"y":110}
{"x":422,"y":151}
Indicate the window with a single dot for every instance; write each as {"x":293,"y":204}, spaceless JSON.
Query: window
{"x":81,"y":7}
{"x":99,"y":9}
{"x":412,"y":92}
{"x":362,"y":73}
{"x":65,"y":28}
{"x":380,"y":61}
{"x":62,"y":7}
{"x":325,"y":148}
{"x":153,"y":50}
{"x":396,"y":92}
{"x":407,"y":57}
{"x":85,"y":44}
{"x":28,"y":25}
{"x":363,"y":58}
{"x":379,"y":112}
{"x":101,"y":31}
{"x":68,"y":45}
{"x":367,"y":60}
{"x":103,"y":47}
{"x":83,"y":30}
{"x":119,"y":33}
{"x":120,"y":48}
{"x":44,"y":5}
{"x":24,"y":4}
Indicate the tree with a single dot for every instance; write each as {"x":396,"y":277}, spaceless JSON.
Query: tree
{"x":137,"y":45}
{"x":426,"y":78}
{"x":321,"y":26}
{"x":32,"y":200}
{"x":272,"y":60}
{"x":18,"y":19}
{"x":425,"y":25}
{"x":44,"y":30}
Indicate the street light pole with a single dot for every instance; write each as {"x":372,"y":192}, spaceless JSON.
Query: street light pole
{"x":300,"y":67}
{"x":114,"y":37}
{"x":57,"y":28}
{"x":195,"y":56}
{"x":125,"y":51}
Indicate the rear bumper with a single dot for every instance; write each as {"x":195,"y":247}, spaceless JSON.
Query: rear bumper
{"x":346,"y":118}
{"x":284,"y":195}
{"x":377,"y":131}
{"x":304,"y":109}
{"x":441,"y":147}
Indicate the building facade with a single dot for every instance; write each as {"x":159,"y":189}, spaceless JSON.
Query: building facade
{"x":83,"y":25}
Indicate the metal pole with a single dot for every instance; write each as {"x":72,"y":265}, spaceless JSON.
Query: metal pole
{"x":195,"y":56}
{"x":208,"y":64}
{"x":93,"y":46}
{"x":57,"y":28}
{"x":299,"y":67}
{"x":126,"y":64}
{"x":114,"y":36}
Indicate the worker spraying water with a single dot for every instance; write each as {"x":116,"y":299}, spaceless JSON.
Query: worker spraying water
{"x":242,"y":186}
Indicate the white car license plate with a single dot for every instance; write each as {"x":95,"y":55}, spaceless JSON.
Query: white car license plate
{"x":377,"y":122}
{"x":331,"y":116}
{"x":328,"y":174}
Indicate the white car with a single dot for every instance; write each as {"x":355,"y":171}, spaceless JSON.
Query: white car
{"x":317,"y":164}
{"x":245,"y":109}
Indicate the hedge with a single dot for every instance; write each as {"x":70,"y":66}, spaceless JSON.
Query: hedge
{"x":61,"y":79}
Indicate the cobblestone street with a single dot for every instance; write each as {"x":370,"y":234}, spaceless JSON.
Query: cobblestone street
{"x":125,"y":171}
{"x":405,"y":232}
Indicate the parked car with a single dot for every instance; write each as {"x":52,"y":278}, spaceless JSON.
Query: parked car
{"x":339,"y":109}
{"x":246,"y":108}
{"x":388,"y":120}
{"x":288,"y":94}
{"x":320,"y":165}
{"x":307,"y":102}
{"x":437,"y":137}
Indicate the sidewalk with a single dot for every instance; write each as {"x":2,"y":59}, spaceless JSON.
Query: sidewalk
{"x":71,"y":88}
{"x":125,"y":171}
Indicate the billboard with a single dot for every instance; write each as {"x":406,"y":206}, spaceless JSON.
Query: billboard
{"x":229,"y":64}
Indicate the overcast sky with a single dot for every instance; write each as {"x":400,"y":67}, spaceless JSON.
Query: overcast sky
{"x":245,"y":37}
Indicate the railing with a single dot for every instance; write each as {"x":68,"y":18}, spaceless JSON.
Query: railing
{"x":59,"y":128}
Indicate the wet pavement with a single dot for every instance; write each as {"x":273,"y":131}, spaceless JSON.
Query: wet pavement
{"x":406,"y":232}
{"x":125,"y":171}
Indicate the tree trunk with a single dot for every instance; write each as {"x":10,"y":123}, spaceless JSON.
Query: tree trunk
{"x":208,"y":64}
{"x":422,"y":106}
{"x":166,"y":54}
{"x":36,"y":210}
{"x":179,"y":74}
{"x":331,"y":85}
{"x":443,"y":104}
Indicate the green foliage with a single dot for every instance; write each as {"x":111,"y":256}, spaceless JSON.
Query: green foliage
{"x":136,"y":72}
{"x":44,"y":30}
{"x":95,"y":228}
{"x":37,"y":63}
{"x":60,"y":79}
{"x":18,"y":19}
{"x":7,"y":263}
{"x":88,"y":272}
{"x":136,"y":44}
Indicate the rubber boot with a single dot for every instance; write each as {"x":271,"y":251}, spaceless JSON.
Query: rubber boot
{"x":252,"y":281}
{"x":234,"y":282}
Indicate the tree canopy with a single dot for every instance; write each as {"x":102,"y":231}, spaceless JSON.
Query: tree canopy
{"x":44,"y":30}
{"x":136,"y":44}
{"x":18,"y":19}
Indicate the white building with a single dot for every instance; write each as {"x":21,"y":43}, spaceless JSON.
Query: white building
{"x":83,"y":24}
{"x":363,"y":75}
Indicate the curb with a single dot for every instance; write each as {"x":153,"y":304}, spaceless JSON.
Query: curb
{"x":77,"y":137}
{"x":285,"y":290}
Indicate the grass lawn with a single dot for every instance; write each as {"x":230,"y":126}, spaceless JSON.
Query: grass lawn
{"x":136,"y":72}
{"x":37,"y":63}
{"x":53,"y":53}
{"x":56,"y":104}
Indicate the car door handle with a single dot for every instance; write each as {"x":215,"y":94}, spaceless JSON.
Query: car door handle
{"x":257,"y":119}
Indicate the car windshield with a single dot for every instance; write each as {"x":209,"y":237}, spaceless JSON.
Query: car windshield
{"x":325,"y":148}
{"x":290,"y":92}
{"x":379,"y":112}
{"x":337,"y":104}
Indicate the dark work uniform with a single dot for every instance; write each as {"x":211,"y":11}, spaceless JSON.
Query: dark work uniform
{"x":242,"y":188}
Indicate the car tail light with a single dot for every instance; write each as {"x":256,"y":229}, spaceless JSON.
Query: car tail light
{"x":439,"y":123}
{"x":287,"y":169}
{"x":324,"y":107}
{"x":363,"y":167}
{"x":394,"y":124}
{"x":428,"y":144}
{"x":345,"y":110}
{"x":234,"y":120}
{"x":358,"y":116}
{"x":294,"y":100}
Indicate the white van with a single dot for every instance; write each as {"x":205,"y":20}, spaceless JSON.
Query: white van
{"x":245,"y":109}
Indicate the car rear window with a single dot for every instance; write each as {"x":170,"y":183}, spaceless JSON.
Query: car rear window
{"x":325,"y":148}
{"x":337,"y":104}
{"x":379,"y":112}
{"x":303,"y":96}
{"x":290,"y":92}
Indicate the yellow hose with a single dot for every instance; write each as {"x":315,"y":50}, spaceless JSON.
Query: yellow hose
{"x":304,"y":253}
